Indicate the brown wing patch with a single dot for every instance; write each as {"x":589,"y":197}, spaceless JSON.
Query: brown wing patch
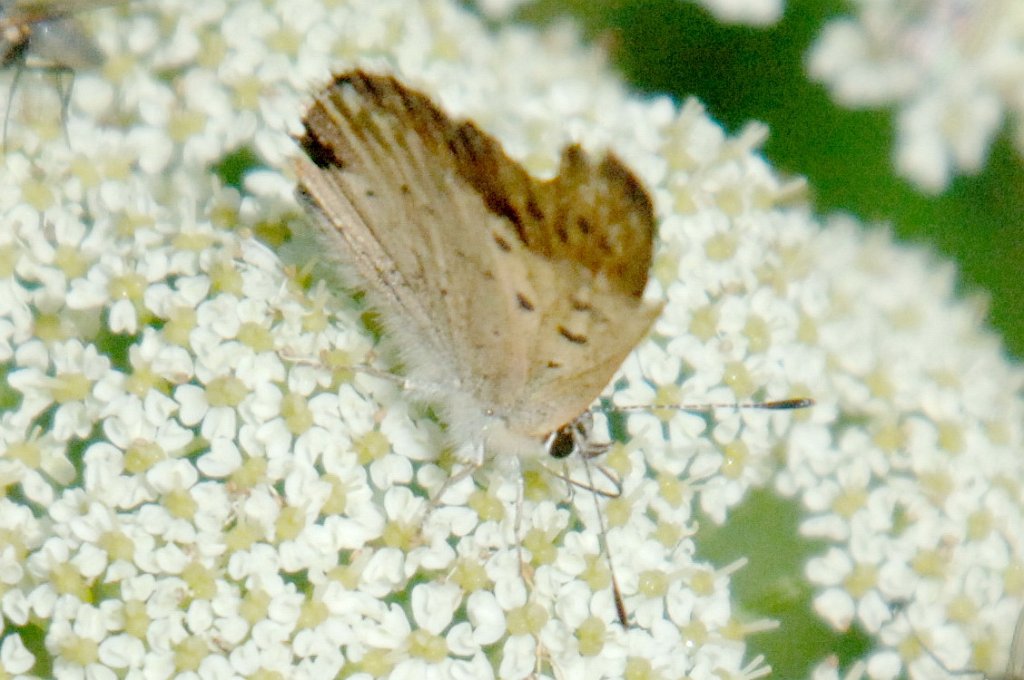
{"x":574,"y":338}
{"x":595,"y":214}
{"x":600,"y":217}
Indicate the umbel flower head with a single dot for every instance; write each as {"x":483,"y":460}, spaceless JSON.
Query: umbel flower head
{"x":199,"y":481}
{"x":952,"y":70}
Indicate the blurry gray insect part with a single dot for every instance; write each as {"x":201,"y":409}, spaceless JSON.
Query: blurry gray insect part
{"x":45,"y":36}
{"x":62,"y":44}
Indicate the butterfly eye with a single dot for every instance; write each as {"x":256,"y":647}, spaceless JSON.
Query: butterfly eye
{"x":562,"y":442}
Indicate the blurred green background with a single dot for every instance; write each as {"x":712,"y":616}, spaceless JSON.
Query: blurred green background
{"x":743,"y":74}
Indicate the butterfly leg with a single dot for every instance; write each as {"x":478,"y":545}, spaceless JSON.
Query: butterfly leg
{"x":65,"y":97}
{"x":517,"y":524}
{"x":468,"y":470}
{"x":525,"y":573}
{"x":539,"y":655}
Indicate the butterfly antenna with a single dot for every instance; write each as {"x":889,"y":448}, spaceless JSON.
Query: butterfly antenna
{"x":602,"y":537}
{"x":779,"y":405}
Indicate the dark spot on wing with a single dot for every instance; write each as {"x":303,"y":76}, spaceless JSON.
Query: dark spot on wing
{"x":502,"y":206}
{"x":580,"y":305}
{"x":584,"y":225}
{"x":524,"y":302}
{"x":322,"y":155}
{"x":572,"y":337}
{"x":535,"y":212}
{"x":628,"y":183}
{"x":502,"y":243}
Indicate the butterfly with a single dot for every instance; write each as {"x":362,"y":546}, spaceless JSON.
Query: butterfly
{"x":512,"y":300}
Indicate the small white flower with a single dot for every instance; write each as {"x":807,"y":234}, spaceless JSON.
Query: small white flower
{"x":14,"y":656}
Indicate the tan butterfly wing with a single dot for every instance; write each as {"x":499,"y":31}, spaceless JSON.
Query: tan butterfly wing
{"x":519,"y":298}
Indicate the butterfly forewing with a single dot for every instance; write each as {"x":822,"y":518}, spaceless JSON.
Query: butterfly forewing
{"x":391,"y":202}
{"x":524,"y":296}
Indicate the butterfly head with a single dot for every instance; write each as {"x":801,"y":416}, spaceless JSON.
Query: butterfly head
{"x":576,"y":436}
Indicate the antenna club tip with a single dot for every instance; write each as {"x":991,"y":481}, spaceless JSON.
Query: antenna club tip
{"x":785,"y":404}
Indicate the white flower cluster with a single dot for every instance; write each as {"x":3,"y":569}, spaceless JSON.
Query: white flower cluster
{"x":953,"y":69}
{"x":918,"y":480}
{"x":197,"y":483}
